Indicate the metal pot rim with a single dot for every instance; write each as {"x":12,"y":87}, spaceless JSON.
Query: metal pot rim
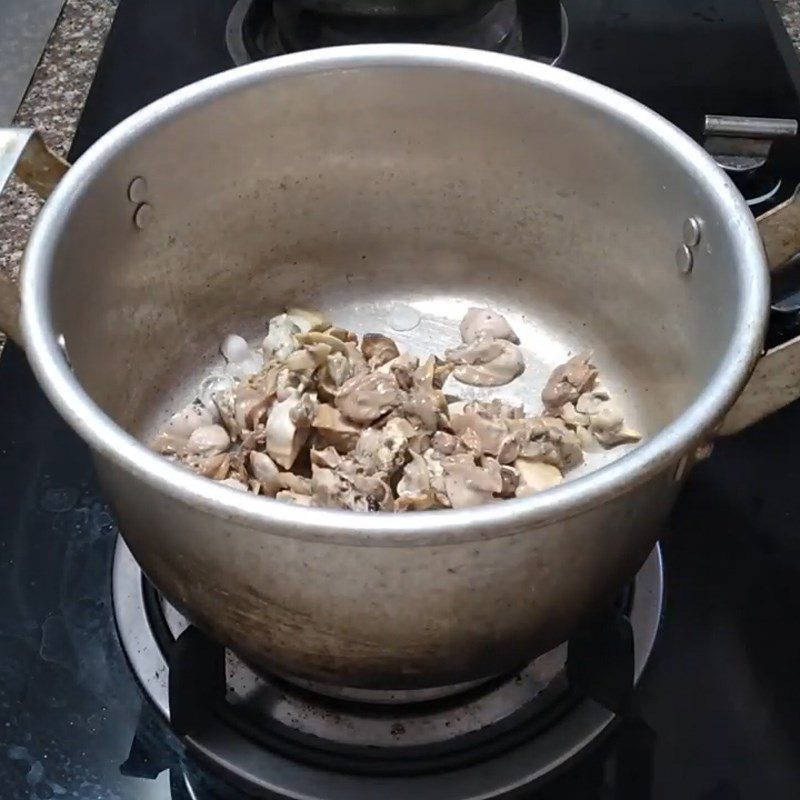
{"x":112,"y":443}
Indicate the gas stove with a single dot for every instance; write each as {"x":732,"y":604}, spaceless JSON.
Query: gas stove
{"x":277,"y":737}
{"x":686,"y":688}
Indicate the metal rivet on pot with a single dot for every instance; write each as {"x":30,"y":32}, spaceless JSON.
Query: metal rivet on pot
{"x":143,"y":215}
{"x":137,"y":190}
{"x":684,"y":258}
{"x":691,"y":232}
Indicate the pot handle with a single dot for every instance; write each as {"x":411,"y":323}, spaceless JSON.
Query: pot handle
{"x":23,"y":152}
{"x":775,"y":382}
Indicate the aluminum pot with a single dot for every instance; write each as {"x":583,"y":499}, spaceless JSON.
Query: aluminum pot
{"x":352,"y":179}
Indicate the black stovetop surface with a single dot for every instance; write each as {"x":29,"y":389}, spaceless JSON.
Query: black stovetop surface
{"x":718,"y":710}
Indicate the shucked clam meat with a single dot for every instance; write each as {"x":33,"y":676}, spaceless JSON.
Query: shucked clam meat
{"x":489,"y":355}
{"x":317,"y":416}
{"x":485,"y":323}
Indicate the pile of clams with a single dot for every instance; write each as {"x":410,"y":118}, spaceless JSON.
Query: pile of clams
{"x":318,"y":418}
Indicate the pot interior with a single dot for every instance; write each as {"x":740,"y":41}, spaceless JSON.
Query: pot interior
{"x":357,"y":189}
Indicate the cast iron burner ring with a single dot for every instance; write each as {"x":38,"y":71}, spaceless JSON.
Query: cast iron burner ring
{"x":260,"y":29}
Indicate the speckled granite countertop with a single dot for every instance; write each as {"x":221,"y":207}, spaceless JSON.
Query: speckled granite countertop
{"x":790,"y":11}
{"x":53,"y":104}
{"x":55,"y":98}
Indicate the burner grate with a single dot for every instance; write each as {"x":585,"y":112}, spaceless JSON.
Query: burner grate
{"x":260,"y":29}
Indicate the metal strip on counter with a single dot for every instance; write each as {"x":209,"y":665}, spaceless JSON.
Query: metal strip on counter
{"x":25,"y":27}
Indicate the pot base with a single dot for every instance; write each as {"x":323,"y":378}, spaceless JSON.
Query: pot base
{"x":380,"y":697}
{"x":277,"y":738}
